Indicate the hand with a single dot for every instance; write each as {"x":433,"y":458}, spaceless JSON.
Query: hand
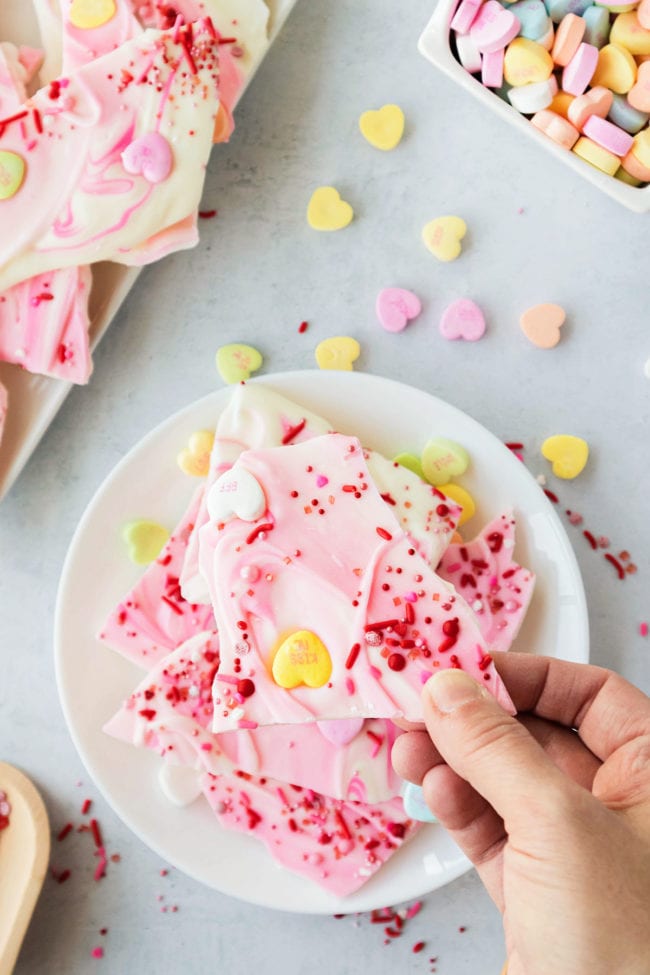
{"x":552,"y":807}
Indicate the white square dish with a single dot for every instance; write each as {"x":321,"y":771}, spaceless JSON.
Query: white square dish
{"x":435,"y":45}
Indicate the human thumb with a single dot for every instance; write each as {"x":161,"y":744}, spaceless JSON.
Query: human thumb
{"x":487,"y":747}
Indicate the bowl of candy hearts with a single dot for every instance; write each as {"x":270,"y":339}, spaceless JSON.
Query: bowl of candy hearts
{"x":573,"y":75}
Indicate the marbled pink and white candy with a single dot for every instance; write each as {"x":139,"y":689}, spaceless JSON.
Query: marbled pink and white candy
{"x":170,"y":712}
{"x":154,"y":618}
{"x":338,"y":845}
{"x":333,"y":562}
{"x":497,"y":589}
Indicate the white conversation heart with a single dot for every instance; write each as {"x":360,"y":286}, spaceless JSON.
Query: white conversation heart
{"x":236,"y":494}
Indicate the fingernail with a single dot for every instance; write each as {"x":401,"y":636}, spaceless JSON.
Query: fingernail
{"x":450,"y":689}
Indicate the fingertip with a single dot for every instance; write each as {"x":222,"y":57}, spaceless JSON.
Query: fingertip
{"x":413,"y":755}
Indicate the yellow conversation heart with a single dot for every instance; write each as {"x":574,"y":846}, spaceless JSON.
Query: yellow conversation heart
{"x":12,"y":173}
{"x":616,"y":69}
{"x":236,"y":362}
{"x":443,"y":235}
{"x":568,"y":455}
{"x":526,"y":63}
{"x":144,"y":540}
{"x":337,"y":353}
{"x":461,"y":497}
{"x":628,"y":32}
{"x":383,"y":128}
{"x":442,"y":459}
{"x":327,"y":211}
{"x":302,"y":658}
{"x":88,"y":14}
{"x":194,"y":459}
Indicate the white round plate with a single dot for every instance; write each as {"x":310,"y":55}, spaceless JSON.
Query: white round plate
{"x":93,"y":681}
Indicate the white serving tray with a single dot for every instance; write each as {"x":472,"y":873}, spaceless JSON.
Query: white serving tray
{"x":35,"y":400}
{"x":434,"y":45}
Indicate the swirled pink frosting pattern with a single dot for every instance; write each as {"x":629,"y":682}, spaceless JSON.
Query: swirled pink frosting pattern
{"x":329,"y":557}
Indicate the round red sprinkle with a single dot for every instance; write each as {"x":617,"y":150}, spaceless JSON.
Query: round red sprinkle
{"x":450,"y":627}
{"x":442,"y":510}
{"x":396,"y":661}
{"x":245,"y":687}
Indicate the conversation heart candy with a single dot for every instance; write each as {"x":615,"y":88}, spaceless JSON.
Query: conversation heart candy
{"x":194,"y":459}
{"x":396,"y":307}
{"x":236,"y":362}
{"x":327,"y":211}
{"x":339,"y":352}
{"x":596,"y":101}
{"x":144,"y":540}
{"x":596,"y":156}
{"x":461,"y":497}
{"x":88,"y":14}
{"x":568,"y":455}
{"x":628,"y":32}
{"x":411,"y":462}
{"x":557,"y":129}
{"x":568,"y":38}
{"x":580,"y":69}
{"x":443,"y":236}
{"x":624,"y":115}
{"x":529,"y":99}
{"x":12,"y":173}
{"x":414,"y":805}
{"x":384,"y":127}
{"x":302,"y":658}
{"x":533,"y":18}
{"x":526,"y":63}
{"x":494,"y":27}
{"x":150,"y":156}
{"x":342,"y":731}
{"x":616,"y":69}
{"x":542,"y":323}
{"x":608,"y":135}
{"x":442,"y":459}
{"x":639,"y":94}
{"x":237,"y":493}
{"x":463,"y":319}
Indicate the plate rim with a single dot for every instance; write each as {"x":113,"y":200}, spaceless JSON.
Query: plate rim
{"x":452,"y":871}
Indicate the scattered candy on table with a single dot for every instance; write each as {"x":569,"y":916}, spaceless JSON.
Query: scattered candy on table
{"x":383,"y":128}
{"x":463,"y":319}
{"x":236,"y":362}
{"x":327,"y":211}
{"x":541,"y":324}
{"x":443,"y":236}
{"x":339,"y":352}
{"x":578,"y":70}
{"x":568,"y":455}
{"x":396,"y":307}
{"x":144,"y":540}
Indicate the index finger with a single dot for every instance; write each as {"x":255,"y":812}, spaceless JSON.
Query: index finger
{"x":605,"y":709}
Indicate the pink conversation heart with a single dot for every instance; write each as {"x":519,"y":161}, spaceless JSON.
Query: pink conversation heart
{"x":396,"y":307}
{"x":463,"y":319}
{"x":340,"y":731}
{"x":150,"y":156}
